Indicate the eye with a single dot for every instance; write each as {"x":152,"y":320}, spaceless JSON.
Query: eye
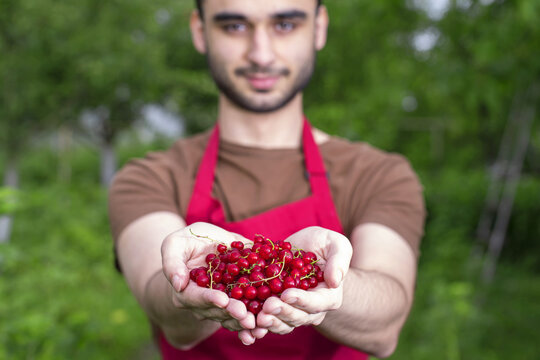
{"x":285,"y":26}
{"x":235,"y":28}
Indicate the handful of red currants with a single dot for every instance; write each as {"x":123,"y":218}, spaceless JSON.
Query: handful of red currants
{"x":252,"y":275}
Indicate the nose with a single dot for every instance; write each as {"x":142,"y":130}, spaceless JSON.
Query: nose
{"x":261,"y":50}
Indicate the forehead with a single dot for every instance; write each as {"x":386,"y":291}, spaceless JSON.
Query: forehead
{"x":257,"y":9}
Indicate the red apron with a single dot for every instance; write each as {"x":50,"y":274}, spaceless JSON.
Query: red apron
{"x":316,"y":210}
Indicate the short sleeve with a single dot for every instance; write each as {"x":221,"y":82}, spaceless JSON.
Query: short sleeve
{"x":395,"y":199}
{"x":143,"y":186}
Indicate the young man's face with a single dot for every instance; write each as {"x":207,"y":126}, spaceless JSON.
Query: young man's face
{"x":261,"y":53}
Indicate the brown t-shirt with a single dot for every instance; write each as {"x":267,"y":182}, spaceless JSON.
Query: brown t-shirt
{"x":367,"y":184}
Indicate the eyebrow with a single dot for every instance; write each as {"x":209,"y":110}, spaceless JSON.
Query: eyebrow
{"x":227,"y":16}
{"x":286,"y":15}
{"x":292,"y":14}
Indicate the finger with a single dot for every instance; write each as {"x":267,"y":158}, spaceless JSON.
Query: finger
{"x":338,"y":254}
{"x":259,"y":333}
{"x":195,"y":296}
{"x":174,"y":259}
{"x":295,"y":317}
{"x":317,"y":300}
{"x":238,"y":311}
{"x":246,"y":337}
{"x":273,"y":324}
{"x":290,"y":315}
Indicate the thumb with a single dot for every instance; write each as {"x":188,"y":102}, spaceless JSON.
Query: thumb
{"x":174,"y":258}
{"x":338,"y":260}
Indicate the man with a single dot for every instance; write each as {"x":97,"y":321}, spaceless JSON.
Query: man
{"x":264,"y":170}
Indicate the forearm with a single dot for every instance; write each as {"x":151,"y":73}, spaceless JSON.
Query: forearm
{"x":181,"y":328}
{"x":374,"y":309}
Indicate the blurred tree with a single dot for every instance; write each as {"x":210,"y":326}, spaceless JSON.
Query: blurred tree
{"x":117,"y":67}
{"x":485,"y":56}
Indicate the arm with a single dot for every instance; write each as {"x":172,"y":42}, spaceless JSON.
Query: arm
{"x":369,"y":308}
{"x":378,"y":292}
{"x":188,"y":314}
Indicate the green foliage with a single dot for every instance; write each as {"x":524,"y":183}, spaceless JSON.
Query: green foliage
{"x":9,"y":200}
{"x":61,"y":297}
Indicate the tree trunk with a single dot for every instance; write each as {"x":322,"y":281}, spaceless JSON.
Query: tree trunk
{"x":107,"y":163}
{"x":11,"y":179}
{"x":64,"y":154}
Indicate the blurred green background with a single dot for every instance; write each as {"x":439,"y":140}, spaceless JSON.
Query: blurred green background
{"x":452,"y":84}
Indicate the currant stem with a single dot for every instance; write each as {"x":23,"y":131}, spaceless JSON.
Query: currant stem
{"x":205,"y":237}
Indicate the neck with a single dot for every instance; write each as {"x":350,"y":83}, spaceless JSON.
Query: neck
{"x":279,"y":129}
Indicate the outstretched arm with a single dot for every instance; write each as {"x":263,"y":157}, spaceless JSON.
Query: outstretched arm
{"x":378,"y":292}
{"x":155,"y":252}
{"x":367,"y":311}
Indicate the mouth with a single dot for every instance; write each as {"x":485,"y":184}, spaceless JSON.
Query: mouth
{"x":262,"y":79}
{"x":262,"y":83}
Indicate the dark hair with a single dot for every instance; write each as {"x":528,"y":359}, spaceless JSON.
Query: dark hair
{"x":199,"y":5}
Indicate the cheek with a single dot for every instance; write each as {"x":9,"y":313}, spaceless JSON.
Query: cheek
{"x":297,"y":55}
{"x":227,"y":50}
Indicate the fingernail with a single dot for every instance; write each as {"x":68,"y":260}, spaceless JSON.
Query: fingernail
{"x":291,"y":301}
{"x":176,"y":282}
{"x":276,"y":311}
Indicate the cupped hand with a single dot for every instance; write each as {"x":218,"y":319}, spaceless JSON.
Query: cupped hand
{"x":298,"y":307}
{"x":186,"y":249}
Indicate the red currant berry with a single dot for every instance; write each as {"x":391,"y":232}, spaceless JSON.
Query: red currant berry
{"x":275,"y":285}
{"x":250,"y":292}
{"x":243,"y":263}
{"x":242,"y":281}
{"x":295,"y":274}
{"x":203,"y":280}
{"x":256,"y":277}
{"x":263,"y":292}
{"x":237,"y":293}
{"x":258,"y":238}
{"x":254,"y":306}
{"x":272,"y":270}
{"x":237,"y":245}
{"x":304,"y":284}
{"x":221,"y":267}
{"x":220,"y":287}
{"x":209,"y":258}
{"x":245,"y":252}
{"x":297,"y":263}
{"x":234,"y":255}
{"x":221,"y":248}
{"x":227,"y":278}
{"x":310,"y":257}
{"x":253,"y":257}
{"x":288,"y":283}
{"x":215,"y":262}
{"x":285,"y":255}
{"x":216,"y":277}
{"x":233,"y":269}
{"x":265,"y":251}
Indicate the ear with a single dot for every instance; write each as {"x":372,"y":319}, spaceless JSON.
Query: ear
{"x":196,"y":25}
{"x":321,"y":27}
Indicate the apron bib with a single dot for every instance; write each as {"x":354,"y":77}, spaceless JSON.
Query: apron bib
{"x":316,"y":210}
